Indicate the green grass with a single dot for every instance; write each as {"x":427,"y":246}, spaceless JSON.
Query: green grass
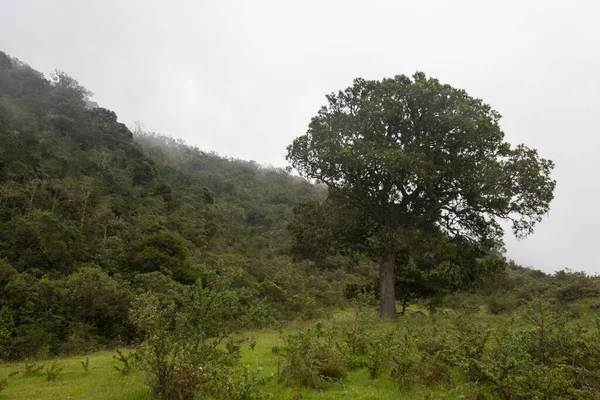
{"x":102,"y":382}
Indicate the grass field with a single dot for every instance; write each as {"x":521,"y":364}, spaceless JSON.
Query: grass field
{"x":100,"y":383}
{"x":103,"y":381}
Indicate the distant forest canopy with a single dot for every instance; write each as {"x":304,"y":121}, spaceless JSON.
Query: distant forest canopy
{"x":93,"y":214}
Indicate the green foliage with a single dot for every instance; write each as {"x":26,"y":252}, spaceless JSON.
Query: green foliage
{"x":53,"y":371}
{"x":32,"y":368}
{"x":182,"y":349}
{"x":40,"y":240}
{"x":103,"y":302}
{"x":161,"y":251}
{"x":572,"y":286}
{"x":537,"y":354}
{"x":4,"y":381}
{"x":78,"y":313}
{"x":244,"y":386}
{"x":411,"y":159}
{"x":311,"y":230}
{"x":357,"y":336}
{"x":86,"y":366}
{"x":126,"y":362}
{"x":90,"y":214}
{"x":7,"y":327}
{"x":415,"y":358}
{"x":311,"y":357}
{"x":501,"y":304}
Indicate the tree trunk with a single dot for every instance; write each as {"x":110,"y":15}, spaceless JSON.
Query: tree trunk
{"x":387,"y":297}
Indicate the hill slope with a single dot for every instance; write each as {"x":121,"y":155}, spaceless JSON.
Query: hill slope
{"x":91,"y":213}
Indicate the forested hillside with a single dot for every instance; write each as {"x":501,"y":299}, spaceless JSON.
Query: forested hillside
{"x":91,"y":214}
{"x":111,"y":238}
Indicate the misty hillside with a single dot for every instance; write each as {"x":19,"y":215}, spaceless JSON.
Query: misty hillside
{"x":84,"y":201}
{"x":76,"y":170}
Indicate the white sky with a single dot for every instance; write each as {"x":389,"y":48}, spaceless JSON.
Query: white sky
{"x":243,"y":78}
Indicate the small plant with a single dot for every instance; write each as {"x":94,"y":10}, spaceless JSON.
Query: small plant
{"x":4,"y":381}
{"x":312,"y":357}
{"x":32,"y":368}
{"x":86,"y":365}
{"x":435,"y":373}
{"x":233,"y":346}
{"x":246,"y":386}
{"x":357,"y":334}
{"x":405,"y":359}
{"x":376,"y":359}
{"x":252,"y":343}
{"x":3,"y":384}
{"x":124,"y":359}
{"x":54,"y":371}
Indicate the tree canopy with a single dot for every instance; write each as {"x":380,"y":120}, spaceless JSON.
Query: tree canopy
{"x":406,"y":157}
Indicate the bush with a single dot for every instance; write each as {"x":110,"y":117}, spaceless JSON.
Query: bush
{"x":101,"y":301}
{"x":356,"y":335}
{"x":406,"y":363}
{"x":181,"y":349}
{"x":246,"y":386}
{"x":312,"y":357}
{"x":538,"y":354}
{"x":500,"y":305}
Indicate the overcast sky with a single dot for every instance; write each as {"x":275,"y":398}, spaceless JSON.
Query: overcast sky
{"x":243,"y":78}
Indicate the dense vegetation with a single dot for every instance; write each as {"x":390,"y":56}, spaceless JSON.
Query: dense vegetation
{"x":111,"y":238}
{"x":91,"y":215}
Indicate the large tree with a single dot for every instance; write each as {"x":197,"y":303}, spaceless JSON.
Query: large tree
{"x":405,"y":157}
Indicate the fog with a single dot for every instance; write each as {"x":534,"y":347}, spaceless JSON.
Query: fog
{"x":243,"y":78}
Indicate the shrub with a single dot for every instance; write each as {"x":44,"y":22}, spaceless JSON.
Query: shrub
{"x":356,"y":335}
{"x":7,"y":328}
{"x":103,"y":302}
{"x":181,"y":349}
{"x":377,"y":359}
{"x":538,"y":354}
{"x":406,"y":363}
{"x":312,"y":357}
{"x":500,"y":305}
{"x":246,"y":386}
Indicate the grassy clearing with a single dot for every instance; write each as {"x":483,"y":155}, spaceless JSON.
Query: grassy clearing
{"x":103,"y":381}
